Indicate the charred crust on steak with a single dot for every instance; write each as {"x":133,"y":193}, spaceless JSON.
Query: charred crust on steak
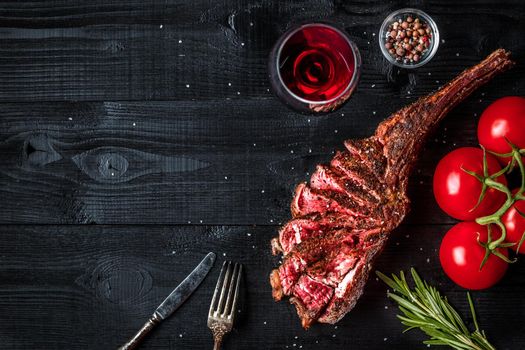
{"x":342,"y":220}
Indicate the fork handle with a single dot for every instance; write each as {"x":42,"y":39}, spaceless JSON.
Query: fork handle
{"x":134,"y":342}
{"x":217,"y":342}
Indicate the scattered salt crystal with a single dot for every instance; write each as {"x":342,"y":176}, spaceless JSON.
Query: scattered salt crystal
{"x":242,"y":44}
{"x":254,"y":144}
{"x":264,"y":322}
{"x":134,"y":124}
{"x":291,"y":151}
{"x":373,"y":85}
{"x":262,"y":191}
{"x":271,"y":220}
{"x":407,"y":236}
{"x":428,"y":260}
{"x":238,"y":92}
{"x":457,"y":54}
{"x":69,"y":118}
{"x":249,"y":234}
{"x":342,"y":114}
{"x":189,"y":222}
{"x":386,"y":307}
{"x":309,"y":150}
{"x":385,"y":339}
{"x":374,"y":112}
{"x":421,"y":248}
{"x":223,"y":254}
{"x":200,"y":221}
{"x":335,"y":131}
{"x":161,"y":26}
{"x":333,"y":335}
{"x":373,"y":34}
{"x":180,"y":335}
{"x":180,"y":41}
{"x":443,"y":41}
{"x":429,"y":73}
{"x":251,"y":24}
{"x":187,"y":85}
{"x":229,"y":84}
{"x":296,"y":337}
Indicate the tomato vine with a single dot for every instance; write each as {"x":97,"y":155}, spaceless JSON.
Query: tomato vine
{"x":489,"y":181}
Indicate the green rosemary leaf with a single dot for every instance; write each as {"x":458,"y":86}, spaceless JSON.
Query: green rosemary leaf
{"x":425,"y":308}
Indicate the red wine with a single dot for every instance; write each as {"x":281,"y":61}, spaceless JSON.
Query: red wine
{"x":317,"y":63}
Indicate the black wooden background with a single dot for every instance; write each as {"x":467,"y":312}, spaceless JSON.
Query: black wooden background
{"x":136,"y":136}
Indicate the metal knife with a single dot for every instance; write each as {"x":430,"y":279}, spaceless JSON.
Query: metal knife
{"x":173,"y":301}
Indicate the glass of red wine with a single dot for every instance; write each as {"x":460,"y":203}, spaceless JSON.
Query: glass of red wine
{"x":314,"y":68}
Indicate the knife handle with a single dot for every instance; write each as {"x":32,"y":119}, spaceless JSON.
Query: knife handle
{"x":134,"y":342}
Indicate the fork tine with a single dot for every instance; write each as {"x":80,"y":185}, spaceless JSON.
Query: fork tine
{"x":231,"y":289}
{"x":225,"y":283}
{"x":237,"y":287}
{"x":217,"y":288}
{"x":234,"y":292}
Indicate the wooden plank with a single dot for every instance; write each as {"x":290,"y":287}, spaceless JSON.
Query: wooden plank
{"x":174,"y":50}
{"x":80,"y":287}
{"x":190,"y":162}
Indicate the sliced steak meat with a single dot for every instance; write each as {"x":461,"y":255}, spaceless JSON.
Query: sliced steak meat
{"x":307,"y":201}
{"x":359,"y":173}
{"x":310,"y":298}
{"x":330,"y":179}
{"x":298,"y":230}
{"x":370,"y":152}
{"x":343,"y":219}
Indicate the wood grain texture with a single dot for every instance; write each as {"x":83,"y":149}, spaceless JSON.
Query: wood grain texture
{"x":91,"y":287}
{"x":152,"y":50}
{"x":143,"y":112}
{"x":183,"y":162}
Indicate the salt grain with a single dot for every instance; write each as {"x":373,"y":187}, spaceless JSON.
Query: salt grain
{"x":161,"y":26}
{"x":188,"y":85}
{"x":180,"y":41}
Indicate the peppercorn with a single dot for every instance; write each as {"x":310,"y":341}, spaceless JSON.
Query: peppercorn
{"x":408,"y":39}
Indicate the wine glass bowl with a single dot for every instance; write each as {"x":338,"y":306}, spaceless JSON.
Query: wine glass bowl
{"x":314,"y":67}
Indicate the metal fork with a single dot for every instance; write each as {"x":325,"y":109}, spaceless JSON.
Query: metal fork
{"x":224,"y":303}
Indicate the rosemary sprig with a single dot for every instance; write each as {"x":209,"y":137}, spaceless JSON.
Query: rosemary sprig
{"x":425,"y":308}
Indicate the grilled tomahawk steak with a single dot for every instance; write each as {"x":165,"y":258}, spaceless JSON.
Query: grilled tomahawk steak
{"x":342,"y":218}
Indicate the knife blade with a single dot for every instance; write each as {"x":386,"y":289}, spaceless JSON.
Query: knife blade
{"x":185,"y":288}
{"x":176,"y":298}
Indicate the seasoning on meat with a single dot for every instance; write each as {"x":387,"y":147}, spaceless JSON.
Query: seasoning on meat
{"x":342,"y":218}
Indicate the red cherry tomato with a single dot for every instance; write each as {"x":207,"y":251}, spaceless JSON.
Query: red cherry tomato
{"x":461,"y":256}
{"x":457,"y":192}
{"x":504,"y":118}
{"x":515,"y":224}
